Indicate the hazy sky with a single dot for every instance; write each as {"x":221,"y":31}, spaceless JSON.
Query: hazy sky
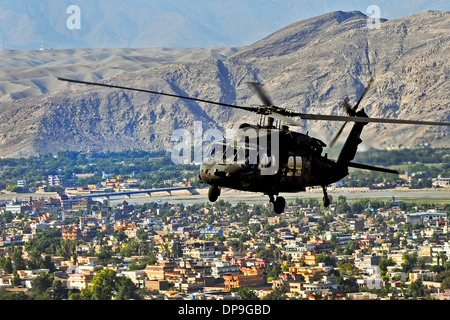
{"x":162,"y":23}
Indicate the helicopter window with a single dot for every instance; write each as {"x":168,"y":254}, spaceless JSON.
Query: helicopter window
{"x":291,"y":166}
{"x":264,"y":160}
{"x":230,"y":154}
{"x":298,"y":166}
{"x":215,"y":152}
{"x":294,"y":166}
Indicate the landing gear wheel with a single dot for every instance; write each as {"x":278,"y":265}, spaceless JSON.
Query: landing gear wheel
{"x":279,"y":204}
{"x":326,"y":199}
{"x":213,"y":193}
{"x":326,"y":202}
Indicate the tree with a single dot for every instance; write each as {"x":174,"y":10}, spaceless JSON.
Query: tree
{"x":247,"y":294}
{"x":6,"y":265}
{"x":40,"y":286}
{"x":416,"y":289}
{"x":445,"y":283}
{"x":126,"y":289}
{"x":7,"y":295}
{"x":276,"y":294}
{"x":102,"y":286}
{"x":106,"y":285}
{"x":384,"y":263}
{"x":410,"y":260}
{"x":104,"y":255}
{"x":348,"y":285}
{"x":441,"y":256}
{"x":273,"y":271}
{"x":19,"y":262}
{"x":326,"y":259}
{"x":59,"y":290}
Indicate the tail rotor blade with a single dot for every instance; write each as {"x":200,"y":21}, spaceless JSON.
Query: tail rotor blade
{"x":355,"y":107}
{"x":351,"y":111}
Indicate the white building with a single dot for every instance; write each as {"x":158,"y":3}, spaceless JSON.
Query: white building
{"x":422,"y":217}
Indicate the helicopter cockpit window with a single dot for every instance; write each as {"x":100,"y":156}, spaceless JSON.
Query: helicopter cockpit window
{"x":215,"y":152}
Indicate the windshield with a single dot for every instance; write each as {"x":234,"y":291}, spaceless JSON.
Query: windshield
{"x":220,"y":152}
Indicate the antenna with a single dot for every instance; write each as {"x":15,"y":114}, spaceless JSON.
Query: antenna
{"x":42,"y":43}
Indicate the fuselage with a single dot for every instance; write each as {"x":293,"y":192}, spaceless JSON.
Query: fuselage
{"x":291,"y":162}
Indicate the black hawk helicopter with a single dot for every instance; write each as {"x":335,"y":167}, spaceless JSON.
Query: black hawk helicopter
{"x":268,"y":157}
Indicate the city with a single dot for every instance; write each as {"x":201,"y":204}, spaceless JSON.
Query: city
{"x":61,"y":245}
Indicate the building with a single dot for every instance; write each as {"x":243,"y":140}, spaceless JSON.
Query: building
{"x":443,"y":295}
{"x":249,"y":278}
{"x":362,"y":296}
{"x":79,"y":281}
{"x":14,"y":208}
{"x":21,"y":183}
{"x":221,"y":268}
{"x":441,"y":182}
{"x":297,"y":250}
{"x":55,"y":180}
{"x":137,"y":276}
{"x":357,"y":225}
{"x":200,"y":249}
{"x":422,"y":217}
{"x":70,"y":234}
{"x":159,"y":272}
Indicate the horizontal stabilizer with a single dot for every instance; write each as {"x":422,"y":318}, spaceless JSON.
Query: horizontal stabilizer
{"x":367,"y":167}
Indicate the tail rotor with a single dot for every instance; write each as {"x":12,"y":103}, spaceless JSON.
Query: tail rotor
{"x":351,"y":111}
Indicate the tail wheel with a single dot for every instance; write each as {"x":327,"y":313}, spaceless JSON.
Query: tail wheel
{"x":213,"y":193}
{"x":279,"y":204}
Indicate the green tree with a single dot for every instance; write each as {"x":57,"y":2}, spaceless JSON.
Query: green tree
{"x":416,"y":289}
{"x":19,"y":262}
{"x":247,"y":294}
{"x":273,"y":271}
{"x":40,"y":286}
{"x":276,"y":294}
{"x":59,"y":290}
{"x":384,"y":263}
{"x":410,"y":261}
{"x":6,"y":265}
{"x":7,"y":295}
{"x":106,"y":285}
{"x":102,"y":286}
{"x":326,"y":259}
{"x":445,"y":283}
{"x":126,"y":289}
{"x":104,"y":256}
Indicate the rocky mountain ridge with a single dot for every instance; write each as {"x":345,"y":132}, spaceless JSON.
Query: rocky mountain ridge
{"x":309,"y":66}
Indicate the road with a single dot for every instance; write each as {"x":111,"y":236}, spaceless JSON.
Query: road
{"x":441,"y":196}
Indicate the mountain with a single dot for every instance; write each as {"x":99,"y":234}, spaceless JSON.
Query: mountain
{"x":308,"y":66}
{"x":30,"y":73}
{"x":170,"y":23}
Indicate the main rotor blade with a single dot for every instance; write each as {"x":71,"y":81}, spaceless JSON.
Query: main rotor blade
{"x":263,"y":96}
{"x":274,"y":109}
{"x":307,"y":116}
{"x":373,"y":168}
{"x":251,"y":109}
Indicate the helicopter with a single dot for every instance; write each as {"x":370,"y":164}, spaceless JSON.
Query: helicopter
{"x":270,"y":158}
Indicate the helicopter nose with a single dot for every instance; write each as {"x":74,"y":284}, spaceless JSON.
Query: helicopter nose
{"x":217,"y":173}
{"x":232,"y":171}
